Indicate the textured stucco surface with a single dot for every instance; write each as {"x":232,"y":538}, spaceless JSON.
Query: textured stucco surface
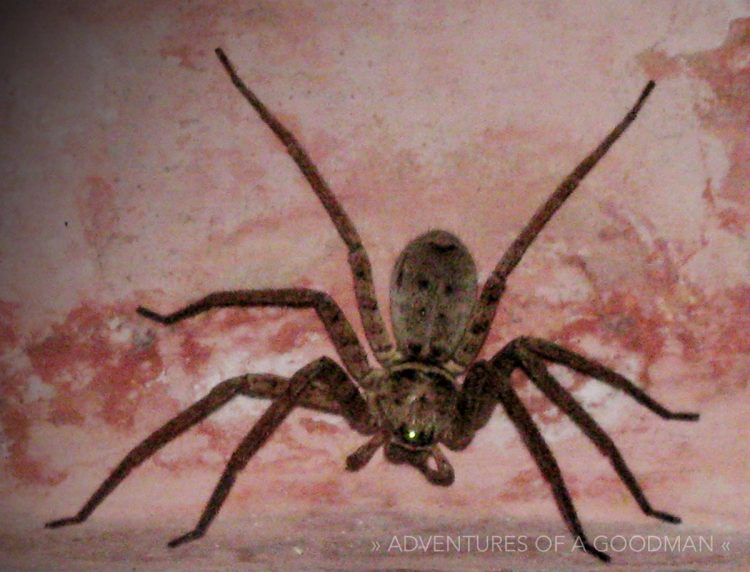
{"x":133,"y":173}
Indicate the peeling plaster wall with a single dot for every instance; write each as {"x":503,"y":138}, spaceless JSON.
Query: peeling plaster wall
{"x":134,"y":173}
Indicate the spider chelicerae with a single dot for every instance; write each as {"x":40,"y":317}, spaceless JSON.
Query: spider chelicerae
{"x":415,"y":401}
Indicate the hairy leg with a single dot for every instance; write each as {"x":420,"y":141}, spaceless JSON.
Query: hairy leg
{"x":477,"y":399}
{"x":558,"y":354}
{"x":316,"y":397}
{"x":537,"y":371}
{"x":486,"y":306}
{"x":218,"y":396}
{"x":537,"y":446}
{"x":338,"y":327}
{"x":364,"y":288}
{"x":364,"y":453}
{"x":324,"y":370}
{"x":346,"y":396}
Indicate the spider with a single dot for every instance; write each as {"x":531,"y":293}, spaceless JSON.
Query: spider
{"x":414,"y":402}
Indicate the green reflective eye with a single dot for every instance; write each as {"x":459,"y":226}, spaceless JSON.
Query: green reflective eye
{"x":416,"y":437}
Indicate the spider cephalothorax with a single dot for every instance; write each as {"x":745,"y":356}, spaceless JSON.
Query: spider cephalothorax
{"x":430,"y":390}
{"x":417,"y":406}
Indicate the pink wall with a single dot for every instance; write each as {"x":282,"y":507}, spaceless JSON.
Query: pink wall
{"x":134,"y":173}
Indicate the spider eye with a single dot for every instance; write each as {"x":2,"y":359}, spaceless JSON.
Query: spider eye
{"x":416,"y":437}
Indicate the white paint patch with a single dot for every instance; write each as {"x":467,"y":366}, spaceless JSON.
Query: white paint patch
{"x":36,"y":390}
{"x":594,"y":394}
{"x":626,"y":363}
{"x":721,"y":264}
{"x":15,"y":360}
{"x":117,"y":333}
{"x":79,"y":375}
{"x":717,"y":161}
{"x":211,"y":456}
{"x":180,"y":449}
{"x":564,"y":284}
{"x":123,"y":332}
{"x":700,"y":26}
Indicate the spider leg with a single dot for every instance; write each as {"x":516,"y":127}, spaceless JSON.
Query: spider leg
{"x":218,"y":396}
{"x":499,"y":381}
{"x":342,"y":390}
{"x":536,"y":370}
{"x":338,"y":327}
{"x":363,"y":454}
{"x":364,"y":288}
{"x":323,"y":369}
{"x":332,"y":393}
{"x":486,"y":306}
{"x":558,"y":354}
{"x":477,"y":399}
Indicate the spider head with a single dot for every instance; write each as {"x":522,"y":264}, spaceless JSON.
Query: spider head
{"x":416,"y":437}
{"x":416,"y":406}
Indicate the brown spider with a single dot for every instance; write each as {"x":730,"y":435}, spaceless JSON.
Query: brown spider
{"x":413,"y":401}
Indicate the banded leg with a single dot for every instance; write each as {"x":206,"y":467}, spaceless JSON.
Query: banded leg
{"x":558,"y":354}
{"x":359,"y":458}
{"x":217,"y":397}
{"x":320,"y":370}
{"x":537,"y":446}
{"x":359,"y":262}
{"x":330,"y":392}
{"x":486,"y":306}
{"x":537,"y":371}
{"x":348,"y":403}
{"x":477,"y":399}
{"x":338,"y":327}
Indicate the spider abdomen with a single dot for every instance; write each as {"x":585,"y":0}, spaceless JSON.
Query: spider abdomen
{"x":433,"y":289}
